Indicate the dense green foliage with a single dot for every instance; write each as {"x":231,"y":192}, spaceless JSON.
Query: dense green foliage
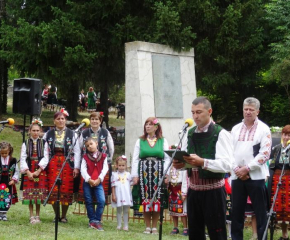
{"x":76,"y":43}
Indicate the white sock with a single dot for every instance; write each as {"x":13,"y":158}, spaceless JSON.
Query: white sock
{"x":119,"y":217}
{"x":126,"y":215}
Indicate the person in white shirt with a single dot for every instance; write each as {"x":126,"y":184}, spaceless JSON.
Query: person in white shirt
{"x":252,"y":148}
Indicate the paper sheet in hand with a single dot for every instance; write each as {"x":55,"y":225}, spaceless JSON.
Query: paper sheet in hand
{"x":179,"y":154}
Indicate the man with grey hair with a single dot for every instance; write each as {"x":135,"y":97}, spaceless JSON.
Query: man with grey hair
{"x":211,"y":153}
{"x":252,"y":148}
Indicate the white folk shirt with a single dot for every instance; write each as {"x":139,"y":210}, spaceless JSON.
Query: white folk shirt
{"x":5,"y":161}
{"x":244,"y":139}
{"x":221,"y":164}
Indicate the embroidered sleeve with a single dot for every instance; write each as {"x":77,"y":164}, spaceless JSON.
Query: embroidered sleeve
{"x":104,"y":170}
{"x":44,"y":161}
{"x":135,"y":159}
{"x":23,"y":156}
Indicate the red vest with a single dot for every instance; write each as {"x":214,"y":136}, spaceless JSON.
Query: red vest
{"x":94,"y":168}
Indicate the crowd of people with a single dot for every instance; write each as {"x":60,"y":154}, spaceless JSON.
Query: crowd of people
{"x":208,"y":189}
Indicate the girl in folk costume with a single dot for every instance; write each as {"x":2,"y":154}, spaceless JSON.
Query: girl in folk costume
{"x":148,"y":164}
{"x":35,"y":182}
{"x":93,"y":169}
{"x":177,"y":188}
{"x":60,"y":140}
{"x":121,"y":192}
{"x":9,"y":175}
{"x":105,"y":145}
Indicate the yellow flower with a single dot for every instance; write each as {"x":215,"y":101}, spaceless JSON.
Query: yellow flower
{"x":7,"y":189}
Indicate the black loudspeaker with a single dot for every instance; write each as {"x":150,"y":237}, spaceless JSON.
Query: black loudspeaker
{"x":27,"y":96}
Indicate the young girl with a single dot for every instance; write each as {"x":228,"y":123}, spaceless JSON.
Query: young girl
{"x":177,"y":199}
{"x":35,"y":183}
{"x":121,"y":192}
{"x":9,"y":175}
{"x":93,"y":169}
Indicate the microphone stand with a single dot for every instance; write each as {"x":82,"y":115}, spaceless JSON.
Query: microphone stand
{"x":272,"y":213}
{"x":160,"y":186}
{"x":2,"y":128}
{"x":58,"y":182}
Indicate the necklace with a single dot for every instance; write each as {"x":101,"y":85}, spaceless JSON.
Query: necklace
{"x":59,"y":133}
{"x":151,"y":140}
{"x":122,"y":179}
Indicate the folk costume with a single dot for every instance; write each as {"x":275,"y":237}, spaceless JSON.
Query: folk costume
{"x":281,"y":208}
{"x":149,"y":162}
{"x":177,"y":188}
{"x":94,"y":166}
{"x":59,"y":143}
{"x":206,"y":197}
{"x":8,"y":194}
{"x":105,"y":145}
{"x":91,"y":101}
{"x":32,"y":152}
{"x":122,"y":183}
{"x":252,"y":148}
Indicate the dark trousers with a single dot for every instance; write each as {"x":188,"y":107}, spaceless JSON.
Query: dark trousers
{"x":255,"y":189}
{"x":207,"y":208}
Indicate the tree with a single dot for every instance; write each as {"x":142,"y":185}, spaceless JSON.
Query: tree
{"x":278,"y":16}
{"x":73,"y":40}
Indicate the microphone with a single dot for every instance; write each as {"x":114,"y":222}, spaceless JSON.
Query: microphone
{"x":287,"y":148}
{"x":10,"y":121}
{"x":85,"y":122}
{"x":188,"y":123}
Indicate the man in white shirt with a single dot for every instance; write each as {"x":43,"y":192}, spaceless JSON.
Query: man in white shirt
{"x":211,"y":153}
{"x":252,"y":148}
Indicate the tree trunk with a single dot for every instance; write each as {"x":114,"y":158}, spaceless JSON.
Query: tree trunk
{"x":104,"y":103}
{"x":1,"y":84}
{"x":5,"y":87}
{"x":72,"y":100}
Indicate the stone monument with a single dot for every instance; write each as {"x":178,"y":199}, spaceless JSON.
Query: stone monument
{"x":160,"y":82}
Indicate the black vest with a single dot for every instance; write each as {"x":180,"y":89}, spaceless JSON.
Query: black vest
{"x":204,"y":145}
{"x":11,"y":168}
{"x":68,"y":143}
{"x":29,"y":149}
{"x":102,"y":140}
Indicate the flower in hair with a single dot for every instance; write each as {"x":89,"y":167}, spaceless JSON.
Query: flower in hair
{"x":101,"y":113}
{"x":37,"y":121}
{"x":64,"y":112}
{"x":156,"y":121}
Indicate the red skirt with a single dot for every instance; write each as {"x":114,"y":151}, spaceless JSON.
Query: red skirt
{"x":282,"y":205}
{"x":175,"y":202}
{"x":66,"y":189}
{"x":35,"y":191}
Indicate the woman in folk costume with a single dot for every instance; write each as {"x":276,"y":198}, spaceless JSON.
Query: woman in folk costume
{"x":60,"y":140}
{"x":35,"y":182}
{"x":282,"y":203}
{"x":105,"y":145}
{"x":9,"y":175}
{"x":148,"y":164}
{"x":91,"y":96}
{"x":177,"y":188}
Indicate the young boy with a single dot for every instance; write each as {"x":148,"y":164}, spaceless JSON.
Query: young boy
{"x":93,"y":169}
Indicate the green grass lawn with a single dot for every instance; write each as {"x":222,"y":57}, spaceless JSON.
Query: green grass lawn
{"x":18,"y":226}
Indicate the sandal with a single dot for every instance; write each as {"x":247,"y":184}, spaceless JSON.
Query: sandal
{"x":174,"y":231}
{"x":154,"y":231}
{"x":147,"y":230}
{"x":37,"y":219}
{"x":32,"y":220}
{"x":63,"y":220}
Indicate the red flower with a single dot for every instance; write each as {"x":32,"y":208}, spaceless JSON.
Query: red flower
{"x":2,"y":186}
{"x":179,"y":202}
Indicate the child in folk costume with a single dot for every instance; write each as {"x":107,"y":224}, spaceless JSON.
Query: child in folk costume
{"x":35,"y":182}
{"x":93,"y":169}
{"x":9,"y":175}
{"x":121,"y":192}
{"x":177,"y":188}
